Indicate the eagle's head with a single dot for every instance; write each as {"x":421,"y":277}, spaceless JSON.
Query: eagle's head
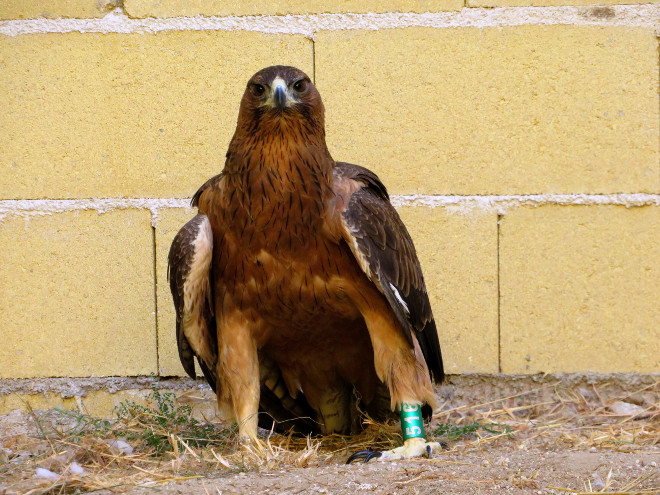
{"x":281,"y":95}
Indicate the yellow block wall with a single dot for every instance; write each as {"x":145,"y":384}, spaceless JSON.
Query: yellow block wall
{"x":521,"y":146}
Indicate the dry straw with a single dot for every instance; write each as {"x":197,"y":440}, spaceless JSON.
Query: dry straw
{"x":148,"y":446}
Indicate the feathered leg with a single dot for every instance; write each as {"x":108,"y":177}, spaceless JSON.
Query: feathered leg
{"x":238,"y":377}
{"x":404,"y":371}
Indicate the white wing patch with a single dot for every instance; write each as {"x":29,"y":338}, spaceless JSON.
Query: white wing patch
{"x":359,"y":255}
{"x":197,"y":292}
{"x":399,"y":298}
{"x":198,"y":277}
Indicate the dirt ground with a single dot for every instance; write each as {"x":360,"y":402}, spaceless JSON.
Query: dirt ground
{"x":550,"y":438}
{"x":496,"y":469}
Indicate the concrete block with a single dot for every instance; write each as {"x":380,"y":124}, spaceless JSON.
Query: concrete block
{"x":22,"y":9}
{"x":116,"y":115}
{"x":76,"y":295}
{"x":502,"y":110}
{"x":579,"y":289}
{"x":458,"y":254}
{"x":103,"y":404}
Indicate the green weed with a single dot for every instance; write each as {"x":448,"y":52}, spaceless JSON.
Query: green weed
{"x":86,"y":425}
{"x":162,"y":419}
{"x":156,"y":424}
{"x":453,"y":432}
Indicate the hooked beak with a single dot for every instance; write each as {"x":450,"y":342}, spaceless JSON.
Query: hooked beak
{"x":279,"y":96}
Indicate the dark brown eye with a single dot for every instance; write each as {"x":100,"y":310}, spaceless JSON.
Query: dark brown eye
{"x":257,"y":89}
{"x":300,"y":86}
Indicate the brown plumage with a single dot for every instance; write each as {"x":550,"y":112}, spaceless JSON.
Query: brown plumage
{"x":297,"y":284}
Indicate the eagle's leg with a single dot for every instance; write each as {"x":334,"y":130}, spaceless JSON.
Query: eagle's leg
{"x":238,"y":379}
{"x":413,"y":447}
{"x":334,"y":409}
{"x":414,"y":442}
{"x":403,"y":369}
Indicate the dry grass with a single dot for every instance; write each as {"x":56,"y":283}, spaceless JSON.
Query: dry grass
{"x":164,"y":442}
{"x":570,"y":419}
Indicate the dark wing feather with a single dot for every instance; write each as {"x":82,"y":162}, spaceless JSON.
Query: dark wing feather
{"x":383,"y":247}
{"x":189,"y":274}
{"x":209,"y":183}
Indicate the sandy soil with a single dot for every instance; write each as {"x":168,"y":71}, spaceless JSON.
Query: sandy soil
{"x":556,"y":439}
{"x":497,"y":469}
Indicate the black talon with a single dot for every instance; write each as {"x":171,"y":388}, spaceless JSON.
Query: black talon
{"x":367,"y":455}
{"x":428,"y":451}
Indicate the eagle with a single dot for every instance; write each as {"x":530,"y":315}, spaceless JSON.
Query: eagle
{"x":297,"y":287}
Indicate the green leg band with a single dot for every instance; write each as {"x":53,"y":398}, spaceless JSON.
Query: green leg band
{"x":412,"y":424}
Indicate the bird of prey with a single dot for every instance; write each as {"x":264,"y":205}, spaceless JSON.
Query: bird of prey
{"x":297,"y":286}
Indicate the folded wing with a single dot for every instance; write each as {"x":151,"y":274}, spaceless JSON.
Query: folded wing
{"x":189,"y":274}
{"x":382,"y":246}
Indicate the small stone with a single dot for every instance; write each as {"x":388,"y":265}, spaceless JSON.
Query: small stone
{"x":626,"y":408}
{"x":119,"y":446}
{"x":76,"y":468}
{"x":597,"y":483}
{"x":45,"y":473}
